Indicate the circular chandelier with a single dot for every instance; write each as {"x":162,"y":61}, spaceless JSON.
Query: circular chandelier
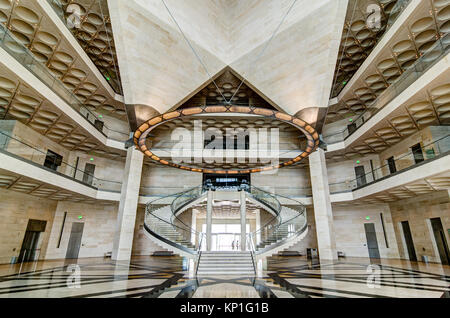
{"x":141,"y":134}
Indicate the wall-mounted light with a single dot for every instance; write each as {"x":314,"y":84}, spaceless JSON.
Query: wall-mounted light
{"x":358,"y":162}
{"x":80,"y":217}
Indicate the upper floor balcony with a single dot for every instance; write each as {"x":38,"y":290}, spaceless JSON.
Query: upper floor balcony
{"x":422,"y":169}
{"x":21,"y":62}
{"x":428,"y":68}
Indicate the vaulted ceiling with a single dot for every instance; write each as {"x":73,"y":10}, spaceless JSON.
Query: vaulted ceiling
{"x":293,"y":69}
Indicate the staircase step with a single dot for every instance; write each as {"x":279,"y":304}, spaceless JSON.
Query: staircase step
{"x":226,"y":273}
{"x":210,"y":268}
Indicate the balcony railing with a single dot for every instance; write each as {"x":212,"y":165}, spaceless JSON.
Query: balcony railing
{"x":26,"y":58}
{"x":32,"y":154}
{"x":398,"y":164}
{"x":429,"y":58}
{"x":20,"y":149}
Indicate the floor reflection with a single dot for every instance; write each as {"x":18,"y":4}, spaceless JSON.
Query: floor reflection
{"x":171,"y":277}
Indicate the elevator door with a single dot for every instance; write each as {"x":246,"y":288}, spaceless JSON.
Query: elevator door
{"x":372,"y":243}
{"x":73,"y":249}
{"x":360,"y":176}
{"x":409,"y":241}
{"x":30,"y":245}
{"x":441,"y":241}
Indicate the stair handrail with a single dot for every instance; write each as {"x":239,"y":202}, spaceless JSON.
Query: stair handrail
{"x":174,"y":212}
{"x":276,"y":210}
{"x":199,"y":253}
{"x":274,"y":228}
{"x":151,"y":209}
{"x":252,"y":249}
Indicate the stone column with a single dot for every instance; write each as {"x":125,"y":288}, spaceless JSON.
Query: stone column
{"x":71,"y":169}
{"x":322,"y":206}
{"x":209,"y":209}
{"x":129,"y":197}
{"x":194,"y":235}
{"x":243,"y":221}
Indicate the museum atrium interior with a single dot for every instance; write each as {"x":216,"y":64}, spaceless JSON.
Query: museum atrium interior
{"x":224,"y":148}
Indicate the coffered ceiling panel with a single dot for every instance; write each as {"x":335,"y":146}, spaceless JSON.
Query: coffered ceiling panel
{"x":19,"y":102}
{"x":428,"y":24}
{"x":32,"y":28}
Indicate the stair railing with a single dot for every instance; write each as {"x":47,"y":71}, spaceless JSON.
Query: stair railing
{"x":294,"y":224}
{"x":252,"y":249}
{"x":170,"y":219}
{"x":199,"y":254}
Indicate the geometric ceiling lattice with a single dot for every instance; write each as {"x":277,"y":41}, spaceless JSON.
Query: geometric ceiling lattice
{"x":11,"y":181}
{"x":32,"y":28}
{"x":95,"y":36}
{"x":227,"y":86}
{"x":19,"y":102}
{"x":358,"y":40}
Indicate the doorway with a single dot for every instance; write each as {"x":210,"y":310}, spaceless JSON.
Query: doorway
{"x":360,"y":176}
{"x":409,"y":241}
{"x":391,"y":164}
{"x":417,"y":153}
{"x":30,"y":249}
{"x":73,"y":249}
{"x":226,"y":241}
{"x":225,"y":236}
{"x":351,"y":128}
{"x":441,"y":241}
{"x":99,"y":124}
{"x":52,"y":160}
{"x":372,"y":243}
{"x":88,"y":176}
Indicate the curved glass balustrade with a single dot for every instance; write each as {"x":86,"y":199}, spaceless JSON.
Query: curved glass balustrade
{"x":25,"y":57}
{"x":429,"y":58}
{"x":162,"y":222}
{"x":184,"y":198}
{"x":266,"y":198}
{"x":289,"y":223}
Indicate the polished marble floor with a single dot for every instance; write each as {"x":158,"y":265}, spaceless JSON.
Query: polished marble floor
{"x":172,"y":277}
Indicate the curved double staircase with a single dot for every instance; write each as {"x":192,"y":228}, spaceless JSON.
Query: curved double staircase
{"x":165,"y":227}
